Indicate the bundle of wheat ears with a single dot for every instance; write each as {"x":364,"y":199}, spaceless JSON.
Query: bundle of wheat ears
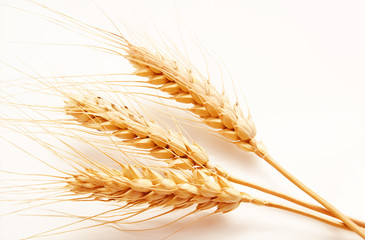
{"x":155,"y":167}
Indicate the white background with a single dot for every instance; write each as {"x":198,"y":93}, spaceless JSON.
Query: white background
{"x":300,"y":65}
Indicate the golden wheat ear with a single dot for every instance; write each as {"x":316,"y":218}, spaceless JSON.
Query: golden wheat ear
{"x":137,"y":131}
{"x":170,"y":189}
{"x":184,"y":86}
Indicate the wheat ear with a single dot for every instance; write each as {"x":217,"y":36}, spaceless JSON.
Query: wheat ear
{"x":138,"y":186}
{"x":137,"y":131}
{"x":212,"y":107}
{"x":141,"y":185}
{"x":98,"y":113}
{"x":215,"y":110}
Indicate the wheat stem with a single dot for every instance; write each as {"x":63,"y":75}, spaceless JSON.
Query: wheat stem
{"x":311,"y":193}
{"x":310,"y":215}
{"x":288,"y":198}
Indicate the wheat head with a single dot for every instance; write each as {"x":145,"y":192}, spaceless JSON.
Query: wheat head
{"x":137,"y":131}
{"x":142,"y":185}
{"x":184,"y":86}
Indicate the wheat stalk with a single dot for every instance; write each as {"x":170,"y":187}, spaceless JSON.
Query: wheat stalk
{"x":138,"y":185}
{"x":141,"y":185}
